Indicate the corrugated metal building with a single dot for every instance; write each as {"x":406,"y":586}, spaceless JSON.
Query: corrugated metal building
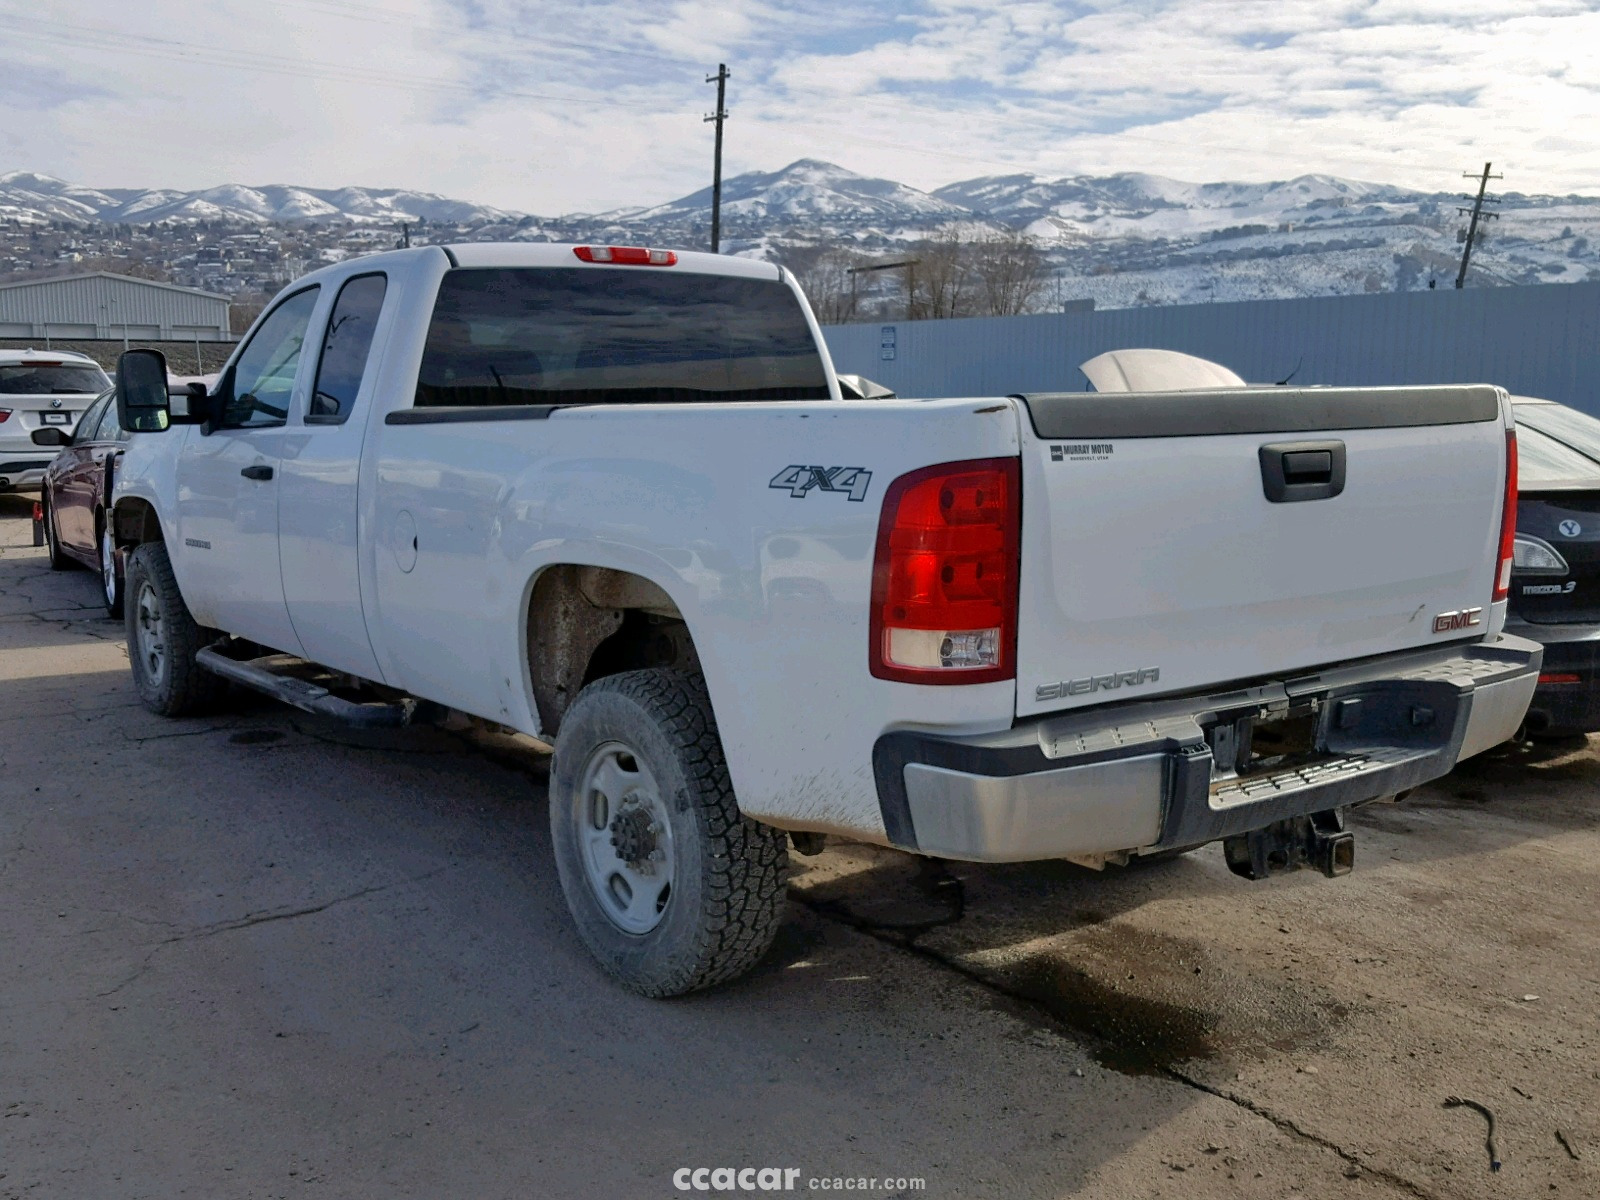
{"x":106,"y":306}
{"x":1532,"y":341}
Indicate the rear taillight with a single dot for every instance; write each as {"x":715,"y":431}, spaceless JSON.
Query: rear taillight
{"x":4,"y":414}
{"x":1561,"y":677}
{"x":1508,"y":522}
{"x":628,"y":256}
{"x":944,"y":579}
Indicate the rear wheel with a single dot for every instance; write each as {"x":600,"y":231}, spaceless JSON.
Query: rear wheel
{"x":58,"y":560}
{"x":670,"y":888}
{"x":110,"y":577}
{"x":163,"y":639}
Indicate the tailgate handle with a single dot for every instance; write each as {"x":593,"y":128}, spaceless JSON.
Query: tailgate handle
{"x":1292,"y":471}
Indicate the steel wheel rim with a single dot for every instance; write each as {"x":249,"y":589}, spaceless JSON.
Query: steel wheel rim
{"x":108,"y":565}
{"x":150,"y":640}
{"x":624,"y":838}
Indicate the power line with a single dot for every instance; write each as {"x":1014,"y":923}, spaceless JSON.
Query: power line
{"x":80,"y":37}
{"x":543,"y":39}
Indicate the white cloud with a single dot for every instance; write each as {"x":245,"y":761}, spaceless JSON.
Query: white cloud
{"x":549,"y":107}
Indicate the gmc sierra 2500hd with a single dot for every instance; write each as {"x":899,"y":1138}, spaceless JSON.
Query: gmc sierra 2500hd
{"x":611,"y":497}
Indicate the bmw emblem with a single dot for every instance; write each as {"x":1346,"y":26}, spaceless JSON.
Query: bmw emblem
{"x":1570,"y":528}
{"x":55,"y":404}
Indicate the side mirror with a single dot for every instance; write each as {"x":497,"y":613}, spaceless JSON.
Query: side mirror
{"x":51,"y":436}
{"x":142,"y":403}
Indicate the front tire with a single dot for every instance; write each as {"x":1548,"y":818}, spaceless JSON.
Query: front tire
{"x":671,"y":889}
{"x":163,"y":639}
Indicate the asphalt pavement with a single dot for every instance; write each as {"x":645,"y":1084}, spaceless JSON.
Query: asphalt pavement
{"x":258,"y":955}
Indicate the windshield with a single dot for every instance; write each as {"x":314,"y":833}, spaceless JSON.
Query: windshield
{"x":52,"y":379}
{"x":559,"y":335}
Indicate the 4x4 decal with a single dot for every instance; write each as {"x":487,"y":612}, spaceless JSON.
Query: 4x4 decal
{"x":799,"y":481}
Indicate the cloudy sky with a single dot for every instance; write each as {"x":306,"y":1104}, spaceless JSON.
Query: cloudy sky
{"x":553,"y":107}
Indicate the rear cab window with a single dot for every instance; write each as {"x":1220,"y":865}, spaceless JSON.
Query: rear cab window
{"x":555,"y":336}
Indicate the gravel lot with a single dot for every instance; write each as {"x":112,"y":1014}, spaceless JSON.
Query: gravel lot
{"x":257,"y":955}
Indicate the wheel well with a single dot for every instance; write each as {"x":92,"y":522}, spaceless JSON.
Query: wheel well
{"x":136,"y":522}
{"x":585,"y":623}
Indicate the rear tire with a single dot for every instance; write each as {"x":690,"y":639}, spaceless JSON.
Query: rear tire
{"x":163,"y":639}
{"x":671,"y":889}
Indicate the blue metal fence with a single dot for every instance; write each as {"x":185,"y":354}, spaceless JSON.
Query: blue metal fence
{"x":1532,"y":341}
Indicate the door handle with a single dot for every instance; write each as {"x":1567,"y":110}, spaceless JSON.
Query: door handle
{"x":257,"y":472}
{"x":1292,"y":471}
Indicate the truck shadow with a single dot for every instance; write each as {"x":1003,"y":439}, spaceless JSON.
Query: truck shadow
{"x":1053,"y":945}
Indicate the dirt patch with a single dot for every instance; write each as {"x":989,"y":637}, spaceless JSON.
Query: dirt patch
{"x":1150,"y":1001}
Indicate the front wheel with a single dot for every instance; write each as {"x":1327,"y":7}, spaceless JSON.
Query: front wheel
{"x":163,"y":639}
{"x":670,"y":888}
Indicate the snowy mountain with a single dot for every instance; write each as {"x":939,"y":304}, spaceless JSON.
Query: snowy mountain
{"x":25,"y":196}
{"x":1126,"y":239}
{"x":807,"y":192}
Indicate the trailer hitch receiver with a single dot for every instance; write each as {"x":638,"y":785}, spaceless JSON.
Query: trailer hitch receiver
{"x":1319,"y":840}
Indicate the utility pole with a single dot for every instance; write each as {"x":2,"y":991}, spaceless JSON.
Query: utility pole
{"x":1477,"y":214}
{"x":405,"y":236}
{"x":721,"y":115}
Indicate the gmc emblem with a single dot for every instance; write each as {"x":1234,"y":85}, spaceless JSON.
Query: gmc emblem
{"x":1449,"y":622}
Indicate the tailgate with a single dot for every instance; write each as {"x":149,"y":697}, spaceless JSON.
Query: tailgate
{"x":1153,"y":560}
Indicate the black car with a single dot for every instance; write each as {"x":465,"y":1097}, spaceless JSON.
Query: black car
{"x":77,"y":494}
{"x":1555,"y":580}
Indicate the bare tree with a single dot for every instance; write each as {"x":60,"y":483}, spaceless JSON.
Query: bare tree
{"x":948,"y":274}
{"x":1011,"y":273}
{"x":823,"y":273}
{"x":939,"y":285}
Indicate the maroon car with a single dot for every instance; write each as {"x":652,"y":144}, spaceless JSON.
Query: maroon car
{"x":77,"y":486}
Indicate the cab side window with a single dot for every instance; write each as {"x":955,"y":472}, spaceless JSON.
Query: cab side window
{"x":345,"y":347}
{"x":263,"y":375}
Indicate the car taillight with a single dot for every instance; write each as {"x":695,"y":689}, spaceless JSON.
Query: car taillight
{"x":944,"y":578}
{"x":4,"y":414}
{"x":630,"y":256}
{"x":1508,"y":522}
{"x":1561,"y":677}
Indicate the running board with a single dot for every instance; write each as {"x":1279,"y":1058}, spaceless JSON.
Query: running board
{"x":271,"y":674}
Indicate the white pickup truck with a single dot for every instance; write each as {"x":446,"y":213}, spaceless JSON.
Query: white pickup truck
{"x":611,"y":498}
